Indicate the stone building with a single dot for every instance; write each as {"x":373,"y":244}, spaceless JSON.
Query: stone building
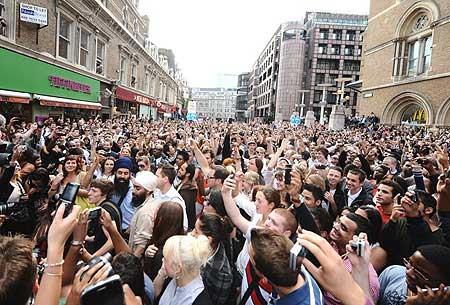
{"x":215,"y":103}
{"x":51,"y":49}
{"x":406,"y":67}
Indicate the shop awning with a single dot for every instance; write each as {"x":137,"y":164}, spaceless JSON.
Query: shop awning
{"x":14,"y":97}
{"x":64,"y":102}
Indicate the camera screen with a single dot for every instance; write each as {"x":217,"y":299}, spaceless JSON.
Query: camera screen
{"x":70,"y":192}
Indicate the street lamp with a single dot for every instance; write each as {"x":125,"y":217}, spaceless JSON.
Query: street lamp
{"x":302,"y":105}
{"x":323,"y":103}
{"x":341,"y":91}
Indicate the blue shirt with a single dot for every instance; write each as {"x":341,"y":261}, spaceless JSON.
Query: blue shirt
{"x":393,"y":287}
{"x":126,"y":207}
{"x":308,"y":294}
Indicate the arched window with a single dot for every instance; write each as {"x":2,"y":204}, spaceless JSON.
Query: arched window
{"x":414,"y":42}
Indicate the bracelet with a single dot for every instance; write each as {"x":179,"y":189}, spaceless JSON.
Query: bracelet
{"x":77,"y":243}
{"x":53,"y":274}
{"x":54,"y":265}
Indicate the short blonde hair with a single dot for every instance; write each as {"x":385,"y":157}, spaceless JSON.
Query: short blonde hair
{"x":191,"y":253}
{"x":251,"y":178}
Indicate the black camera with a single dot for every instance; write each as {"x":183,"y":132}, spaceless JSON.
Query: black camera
{"x":8,"y":208}
{"x":287,"y":174}
{"x":94,"y":261}
{"x":5,"y":158}
{"x":106,"y":292}
{"x":68,"y":196}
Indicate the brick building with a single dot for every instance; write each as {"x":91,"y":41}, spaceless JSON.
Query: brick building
{"x":406,"y":67}
{"x":100,"y":45}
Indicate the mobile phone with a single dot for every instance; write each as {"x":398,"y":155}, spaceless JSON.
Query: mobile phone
{"x":106,"y":292}
{"x":287,"y":174}
{"x":95,"y":213}
{"x":68,"y":196}
{"x":320,"y":166}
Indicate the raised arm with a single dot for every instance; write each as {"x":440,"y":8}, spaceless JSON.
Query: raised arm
{"x":232,"y":210}
{"x":118,"y":242}
{"x":273,"y":161}
{"x":201,"y":159}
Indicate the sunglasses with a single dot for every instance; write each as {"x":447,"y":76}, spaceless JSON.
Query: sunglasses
{"x":420,"y":275}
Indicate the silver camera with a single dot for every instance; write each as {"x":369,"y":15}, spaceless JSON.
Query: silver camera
{"x":359,"y":246}
{"x":296,"y":252}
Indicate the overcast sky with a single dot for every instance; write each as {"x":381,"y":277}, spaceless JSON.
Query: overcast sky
{"x":212,"y":37}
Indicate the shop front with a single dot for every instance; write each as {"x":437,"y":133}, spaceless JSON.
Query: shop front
{"x":35,"y":89}
{"x":132,"y":103}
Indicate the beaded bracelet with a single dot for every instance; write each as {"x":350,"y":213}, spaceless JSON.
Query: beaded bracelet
{"x":76,"y":243}
{"x":54,"y":265}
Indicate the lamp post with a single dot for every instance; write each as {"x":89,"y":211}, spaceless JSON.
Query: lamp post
{"x":341,"y":91}
{"x":323,"y":103}
{"x":302,"y":105}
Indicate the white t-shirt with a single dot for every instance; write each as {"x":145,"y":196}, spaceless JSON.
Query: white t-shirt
{"x":243,"y":256}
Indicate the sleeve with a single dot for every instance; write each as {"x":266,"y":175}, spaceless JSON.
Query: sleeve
{"x":444,"y":218}
{"x":226,"y":151}
{"x":144,"y":230}
{"x":243,"y":203}
{"x":419,"y":231}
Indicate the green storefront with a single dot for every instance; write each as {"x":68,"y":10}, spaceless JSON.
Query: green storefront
{"x":32,"y":88}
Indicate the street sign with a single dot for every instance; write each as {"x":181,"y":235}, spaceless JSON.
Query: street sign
{"x":295,"y":120}
{"x":33,"y":14}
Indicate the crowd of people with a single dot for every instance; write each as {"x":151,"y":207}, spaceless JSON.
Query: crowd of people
{"x":173,"y":212}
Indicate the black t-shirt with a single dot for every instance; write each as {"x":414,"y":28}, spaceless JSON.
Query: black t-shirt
{"x":99,"y":236}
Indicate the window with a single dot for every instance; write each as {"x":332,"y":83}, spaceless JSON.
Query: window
{"x":317,"y":96}
{"x":320,"y":78}
{"x":125,"y":14}
{"x":351,"y":35}
{"x":323,"y":34}
{"x":335,"y":50}
{"x":322,"y":49}
{"x":84,"y":48}
{"x":327,"y":64}
{"x":351,"y":65}
{"x":349,"y":51}
{"x":123,"y":70}
{"x":147,"y":82}
{"x":413,"y":57}
{"x":100,"y":57}
{"x":337,"y":35}
{"x":133,"y":75}
{"x":3,"y":23}
{"x":64,"y":37}
{"x":428,"y":42}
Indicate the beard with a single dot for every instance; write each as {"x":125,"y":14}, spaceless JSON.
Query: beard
{"x":138,"y":200}
{"x":121,"y":185}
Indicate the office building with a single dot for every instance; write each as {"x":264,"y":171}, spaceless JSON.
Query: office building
{"x":215,"y":103}
{"x":334,"y":49}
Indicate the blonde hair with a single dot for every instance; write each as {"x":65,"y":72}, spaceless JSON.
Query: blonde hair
{"x":251,"y":178}
{"x":191,"y":253}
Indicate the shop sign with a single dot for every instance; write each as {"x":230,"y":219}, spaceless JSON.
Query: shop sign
{"x":33,"y":14}
{"x":22,"y":73}
{"x":60,"y":82}
{"x":130,"y":96}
